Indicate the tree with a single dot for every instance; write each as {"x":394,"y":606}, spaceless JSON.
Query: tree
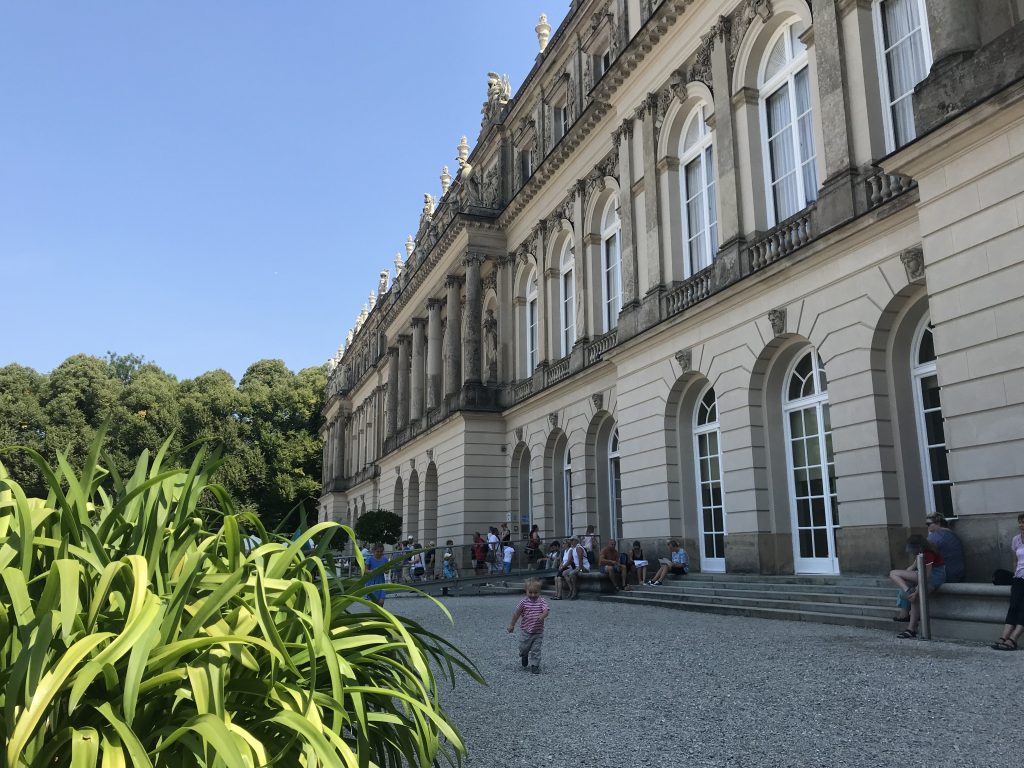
{"x":23,"y":421}
{"x":380,"y":525}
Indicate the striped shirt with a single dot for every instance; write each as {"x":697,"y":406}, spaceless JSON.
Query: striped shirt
{"x":531,"y":611}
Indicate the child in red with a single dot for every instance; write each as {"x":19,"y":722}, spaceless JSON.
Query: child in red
{"x":534,"y":610}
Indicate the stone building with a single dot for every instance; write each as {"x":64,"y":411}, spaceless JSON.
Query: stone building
{"x":749,"y":274}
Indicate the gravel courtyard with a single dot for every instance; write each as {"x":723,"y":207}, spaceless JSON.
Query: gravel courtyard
{"x":630,"y":686}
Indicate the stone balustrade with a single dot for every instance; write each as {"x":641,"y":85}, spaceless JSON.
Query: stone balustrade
{"x":783,"y":239}
{"x":593,"y":351}
{"x":882,"y":187}
{"x":689,"y":292}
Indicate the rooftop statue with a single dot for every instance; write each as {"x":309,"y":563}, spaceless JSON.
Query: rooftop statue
{"x":499,"y":91}
{"x":382,"y":286}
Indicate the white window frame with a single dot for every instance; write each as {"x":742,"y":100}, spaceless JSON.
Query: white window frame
{"x":567,"y":490}
{"x":710,"y":564}
{"x":818,"y":400}
{"x":614,"y":485}
{"x":883,"y":66}
{"x":785,"y":78}
{"x":567,"y":298}
{"x":611,"y":227}
{"x":708,"y":189}
{"x":531,"y":324}
{"x":918,"y":373}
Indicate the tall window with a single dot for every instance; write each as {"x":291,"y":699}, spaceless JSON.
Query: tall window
{"x":700,"y":218}
{"x":707,"y":452}
{"x":532,"y":323}
{"x":611,"y":266}
{"x":815,"y":506}
{"x":788,"y":128}
{"x":930,"y":428}
{"x":567,"y":490}
{"x":559,"y":123}
{"x":614,"y":486}
{"x":568,"y":298}
{"x":904,"y":58}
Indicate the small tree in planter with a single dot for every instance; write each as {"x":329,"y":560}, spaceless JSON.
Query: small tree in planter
{"x":131,"y":634}
{"x":379,"y":525}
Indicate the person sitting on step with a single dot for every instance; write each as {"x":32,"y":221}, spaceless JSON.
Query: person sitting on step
{"x":611,"y":565}
{"x":678,"y":563}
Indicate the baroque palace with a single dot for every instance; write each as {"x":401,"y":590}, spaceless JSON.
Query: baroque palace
{"x":748,"y":274}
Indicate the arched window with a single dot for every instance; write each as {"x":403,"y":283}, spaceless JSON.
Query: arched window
{"x":787,"y":126}
{"x":814,"y":504}
{"x":930,"y":428}
{"x":700,"y":215}
{"x":611,"y":268}
{"x":532,"y":324}
{"x":614,"y":486}
{"x":567,"y":491}
{"x":567,"y":288}
{"x":904,"y":58}
{"x":708,"y":474}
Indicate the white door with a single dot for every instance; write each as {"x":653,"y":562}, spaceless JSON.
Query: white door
{"x":812,"y":487}
{"x":708,"y":475}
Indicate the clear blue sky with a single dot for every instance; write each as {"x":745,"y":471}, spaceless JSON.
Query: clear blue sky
{"x":211,"y":182}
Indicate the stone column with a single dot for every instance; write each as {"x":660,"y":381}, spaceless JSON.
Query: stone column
{"x":471,"y":344}
{"x":453,"y":339}
{"x":584,"y":322}
{"x":506,"y":319}
{"x":650,"y":229}
{"x":730,"y":225}
{"x":434,"y":394}
{"x":392,"y":426}
{"x":825,"y":51}
{"x":403,"y":381}
{"x":418,"y":332}
{"x":953,"y":28}
{"x":623,"y":137}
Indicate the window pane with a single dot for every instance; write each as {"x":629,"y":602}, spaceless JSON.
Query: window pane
{"x":806,"y":136}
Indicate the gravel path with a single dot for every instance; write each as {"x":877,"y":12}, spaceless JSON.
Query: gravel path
{"x":633,"y":686}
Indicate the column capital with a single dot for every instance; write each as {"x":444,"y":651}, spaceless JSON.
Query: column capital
{"x":624,"y":131}
{"x":473,"y":258}
{"x":453,"y":281}
{"x":404,"y":339}
{"x":435,"y":303}
{"x":418,"y":322}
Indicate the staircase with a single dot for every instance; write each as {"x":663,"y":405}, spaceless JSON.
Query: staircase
{"x":854,"y":601}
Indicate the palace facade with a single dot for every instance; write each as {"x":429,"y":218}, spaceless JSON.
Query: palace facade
{"x":748,"y":274}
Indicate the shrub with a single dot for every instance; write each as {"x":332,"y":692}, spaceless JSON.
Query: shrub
{"x":131,"y":634}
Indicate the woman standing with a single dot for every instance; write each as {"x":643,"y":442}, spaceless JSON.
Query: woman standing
{"x":1015,"y":615}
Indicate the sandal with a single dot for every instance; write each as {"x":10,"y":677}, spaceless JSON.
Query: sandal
{"x":906,"y":634}
{"x":1004,"y":644}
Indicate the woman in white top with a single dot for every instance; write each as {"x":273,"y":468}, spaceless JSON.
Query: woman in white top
{"x":567,"y":579}
{"x":1015,"y":615}
{"x":493,"y":551}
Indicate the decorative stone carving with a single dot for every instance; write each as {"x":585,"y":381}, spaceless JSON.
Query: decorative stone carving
{"x":491,"y":346}
{"x":463,"y":152}
{"x":913,"y":262}
{"x":700,"y":69}
{"x":430,"y":455}
{"x":543,"y":30}
{"x":412,"y":463}
{"x":398,"y":471}
{"x":491,"y":193}
{"x":490,"y":283}
{"x":777,"y":319}
{"x":685,"y":359}
{"x":382,"y":284}
{"x":372,"y":300}
{"x":499,"y":91}
{"x":446,"y":180}
{"x":553,"y":420}
{"x":427,"y":214}
{"x":741,"y":20}
{"x":519,"y":434}
{"x":570,"y":101}
{"x":598,"y":400}
{"x":588,"y":76}
{"x":624,"y":131}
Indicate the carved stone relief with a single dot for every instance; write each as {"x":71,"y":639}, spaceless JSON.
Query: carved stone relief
{"x":598,"y":401}
{"x":913,"y":262}
{"x":741,"y":20}
{"x":553,"y":420}
{"x":519,"y":434}
{"x":777,"y":319}
{"x":685,"y":359}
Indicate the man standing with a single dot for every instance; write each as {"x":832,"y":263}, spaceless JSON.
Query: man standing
{"x":609,"y":562}
{"x":949,"y":546}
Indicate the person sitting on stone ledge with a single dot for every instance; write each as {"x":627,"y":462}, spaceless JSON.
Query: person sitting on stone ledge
{"x":909,"y":581}
{"x":610,"y":564}
{"x":678,"y":562}
{"x":949,"y":546}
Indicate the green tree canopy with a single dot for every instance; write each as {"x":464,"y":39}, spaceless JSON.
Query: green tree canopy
{"x":379,"y":525}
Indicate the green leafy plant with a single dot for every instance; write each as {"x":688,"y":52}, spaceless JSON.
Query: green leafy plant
{"x":379,"y":525}
{"x":131,"y":634}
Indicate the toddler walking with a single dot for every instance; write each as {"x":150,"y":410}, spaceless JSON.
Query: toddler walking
{"x":533,"y":609}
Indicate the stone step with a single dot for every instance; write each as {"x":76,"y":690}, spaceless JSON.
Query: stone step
{"x":739,"y":578}
{"x":782,"y":589}
{"x":879,"y":598}
{"x":762,"y":611}
{"x":876,"y":610}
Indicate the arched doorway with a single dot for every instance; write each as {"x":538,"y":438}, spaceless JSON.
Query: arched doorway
{"x":430,"y":504}
{"x":412,"y":507}
{"x":814,"y":507}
